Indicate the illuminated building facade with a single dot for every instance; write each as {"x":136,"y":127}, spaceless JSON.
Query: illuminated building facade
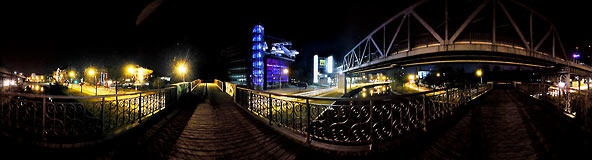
{"x":258,"y":43}
{"x":237,"y":60}
{"x":323,"y":70}
{"x":268,"y":63}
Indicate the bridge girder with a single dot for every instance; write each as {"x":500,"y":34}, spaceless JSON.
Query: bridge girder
{"x":368,"y":52}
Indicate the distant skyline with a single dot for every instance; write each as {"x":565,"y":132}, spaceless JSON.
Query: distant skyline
{"x":41,"y":36}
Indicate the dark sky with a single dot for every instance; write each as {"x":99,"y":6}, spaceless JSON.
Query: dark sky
{"x":41,"y":36}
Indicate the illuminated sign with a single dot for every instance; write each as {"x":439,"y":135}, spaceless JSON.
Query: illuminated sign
{"x":576,"y":55}
{"x":316,"y":69}
{"x":330,"y":64}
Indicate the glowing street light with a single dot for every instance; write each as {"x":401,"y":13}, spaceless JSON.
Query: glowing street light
{"x":91,"y":72}
{"x":72,"y":74}
{"x":480,"y":73}
{"x":411,"y":77}
{"x":182,"y":69}
{"x":437,"y":74}
{"x":131,"y":70}
{"x":285,"y":71}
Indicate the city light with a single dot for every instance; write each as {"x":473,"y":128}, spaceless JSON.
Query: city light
{"x":91,"y":71}
{"x":285,"y":71}
{"x":182,"y":69}
{"x":72,"y":74}
{"x":561,"y":84}
{"x":330,"y":64}
{"x":437,"y":74}
{"x":411,"y":77}
{"x":315,"y":72}
{"x":576,"y":55}
{"x":131,"y":69}
{"x":479,"y":73}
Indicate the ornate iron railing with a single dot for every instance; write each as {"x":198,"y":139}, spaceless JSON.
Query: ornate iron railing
{"x":355,"y":120}
{"x":572,"y":103}
{"x":77,"y":119}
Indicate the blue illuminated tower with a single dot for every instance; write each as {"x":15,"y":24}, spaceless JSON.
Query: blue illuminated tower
{"x":257,"y":59}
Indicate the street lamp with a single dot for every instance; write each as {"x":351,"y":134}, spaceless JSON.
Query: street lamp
{"x":285,"y":71}
{"x":182,"y":70}
{"x":480,"y":73}
{"x":91,"y":72}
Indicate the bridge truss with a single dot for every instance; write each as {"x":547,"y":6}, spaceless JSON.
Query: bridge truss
{"x":494,"y":26}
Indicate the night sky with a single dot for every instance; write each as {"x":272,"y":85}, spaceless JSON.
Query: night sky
{"x":41,"y":36}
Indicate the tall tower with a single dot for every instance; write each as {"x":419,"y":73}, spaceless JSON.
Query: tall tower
{"x":257,"y":58}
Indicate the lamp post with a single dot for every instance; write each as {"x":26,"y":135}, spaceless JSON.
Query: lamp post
{"x":72,"y":76}
{"x":480,"y":73}
{"x":182,"y":70}
{"x":285,"y":71}
{"x":91,"y":72}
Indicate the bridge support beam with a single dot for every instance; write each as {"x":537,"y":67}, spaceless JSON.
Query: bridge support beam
{"x":342,"y":83}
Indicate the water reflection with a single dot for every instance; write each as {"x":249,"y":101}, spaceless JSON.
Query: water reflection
{"x":372,"y":91}
{"x":34,"y":89}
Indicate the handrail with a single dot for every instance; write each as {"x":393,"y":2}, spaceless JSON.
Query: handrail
{"x":345,"y":98}
{"x":353,"y":123}
{"x":77,"y":123}
{"x":86,"y":97}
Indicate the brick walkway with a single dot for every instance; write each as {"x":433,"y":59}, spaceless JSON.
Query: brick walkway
{"x":218,"y":129}
{"x":508,"y":126}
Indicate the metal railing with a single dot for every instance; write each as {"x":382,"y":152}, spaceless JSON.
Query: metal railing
{"x":355,"y":121}
{"x":572,"y":103}
{"x":77,"y":119}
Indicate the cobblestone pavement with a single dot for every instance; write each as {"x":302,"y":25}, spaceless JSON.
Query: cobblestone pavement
{"x":218,"y":129}
{"x":506,"y":125}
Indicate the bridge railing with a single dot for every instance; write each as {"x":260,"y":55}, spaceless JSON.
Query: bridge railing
{"x":572,"y":103}
{"x":50,"y":120}
{"x":354,"y":121}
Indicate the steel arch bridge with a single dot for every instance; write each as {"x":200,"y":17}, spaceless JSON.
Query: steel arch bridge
{"x":491,"y":31}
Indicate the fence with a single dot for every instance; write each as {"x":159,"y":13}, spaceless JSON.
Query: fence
{"x":78,"y":119}
{"x":572,"y":103}
{"x":354,"y":121}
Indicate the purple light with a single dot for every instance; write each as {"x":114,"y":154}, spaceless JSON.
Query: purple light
{"x":576,"y":55}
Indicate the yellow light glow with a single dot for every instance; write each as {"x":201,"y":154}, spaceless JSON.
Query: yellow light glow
{"x":363,"y":94}
{"x":285,"y":71}
{"x":182,"y":69}
{"x":141,"y":74}
{"x":437,"y":74}
{"x":72,"y":74}
{"x":479,"y":73}
{"x":91,"y":72}
{"x":130,"y":70}
{"x":411,"y":77}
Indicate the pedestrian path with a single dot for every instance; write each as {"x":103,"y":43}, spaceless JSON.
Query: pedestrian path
{"x":506,"y":125}
{"x":220,"y":130}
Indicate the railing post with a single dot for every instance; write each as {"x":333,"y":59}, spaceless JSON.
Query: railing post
{"x":269,"y":106}
{"x":424,"y":114}
{"x":371,"y":125}
{"x":308,"y":121}
{"x":140,"y":108}
{"x":43,"y":132}
{"x":103,"y":116}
